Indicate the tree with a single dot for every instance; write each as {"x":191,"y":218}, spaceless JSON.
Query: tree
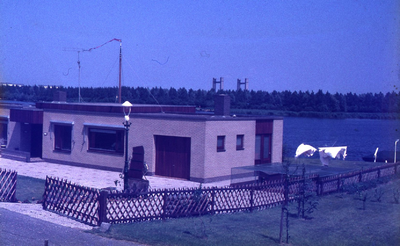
{"x":182,"y":96}
{"x":173,"y":96}
{"x":240,"y":99}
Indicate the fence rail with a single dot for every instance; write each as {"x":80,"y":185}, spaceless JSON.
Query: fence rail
{"x":8,"y":185}
{"x":94,"y":206}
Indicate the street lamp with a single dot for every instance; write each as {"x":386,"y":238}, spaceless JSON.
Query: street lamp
{"x":395,"y":148}
{"x":126,"y":106}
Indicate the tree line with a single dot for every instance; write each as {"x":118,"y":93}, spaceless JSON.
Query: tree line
{"x":296,"y":101}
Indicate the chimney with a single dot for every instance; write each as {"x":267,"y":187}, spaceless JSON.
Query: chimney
{"x":222,"y":104}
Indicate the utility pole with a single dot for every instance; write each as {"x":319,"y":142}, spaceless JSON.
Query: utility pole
{"x":79,"y":78}
{"x":120,"y":72}
{"x":79,"y":70}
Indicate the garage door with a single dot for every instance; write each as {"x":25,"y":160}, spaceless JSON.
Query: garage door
{"x":172,"y":156}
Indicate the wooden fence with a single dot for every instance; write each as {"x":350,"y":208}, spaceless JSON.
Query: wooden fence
{"x":8,"y":185}
{"x":93,"y":206}
{"x":162,"y":204}
{"x":75,"y":201}
{"x":335,"y":183}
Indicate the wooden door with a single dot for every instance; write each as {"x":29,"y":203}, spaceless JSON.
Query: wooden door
{"x":172,"y":156}
{"x":263,"y":147}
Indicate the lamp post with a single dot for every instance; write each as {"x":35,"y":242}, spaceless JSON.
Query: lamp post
{"x":126,"y":106}
{"x":395,"y":149}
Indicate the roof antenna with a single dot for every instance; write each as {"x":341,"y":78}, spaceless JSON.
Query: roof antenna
{"x":79,"y":64}
{"x":120,"y":73}
{"x":79,"y":69}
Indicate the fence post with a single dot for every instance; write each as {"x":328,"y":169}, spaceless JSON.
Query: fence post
{"x":103,"y":206}
{"x":164,"y":207}
{"x":321,"y":184}
{"x":212,"y":200}
{"x":14,"y":185}
{"x":319,"y":187}
{"x":338,"y":183}
{"x":44,"y":204}
{"x":251,"y":198}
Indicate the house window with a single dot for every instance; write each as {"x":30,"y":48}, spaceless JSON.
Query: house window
{"x":106,"y":140}
{"x":263,"y":148}
{"x":3,"y":134}
{"x":62,"y":137}
{"x":220,"y":143}
{"x":239,"y":142}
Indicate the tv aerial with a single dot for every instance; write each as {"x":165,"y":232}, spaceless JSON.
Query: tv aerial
{"x":78,"y":50}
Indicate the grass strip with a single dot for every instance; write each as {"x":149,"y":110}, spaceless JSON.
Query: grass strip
{"x":29,"y":189}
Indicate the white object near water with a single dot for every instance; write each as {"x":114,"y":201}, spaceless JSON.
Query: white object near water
{"x":326,"y":153}
{"x":305,"y":149}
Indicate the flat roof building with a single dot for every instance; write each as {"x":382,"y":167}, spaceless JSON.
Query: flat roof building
{"x":177,"y":141}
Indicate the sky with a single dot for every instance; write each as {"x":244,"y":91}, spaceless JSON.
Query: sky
{"x":333,"y":45}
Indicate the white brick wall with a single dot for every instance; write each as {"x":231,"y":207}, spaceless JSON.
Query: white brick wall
{"x":277,"y":141}
{"x":144,"y":130}
{"x":220,"y":163}
{"x":79,"y":153}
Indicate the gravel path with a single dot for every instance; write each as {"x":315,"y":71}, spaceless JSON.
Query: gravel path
{"x":36,"y":211}
{"x":20,"y":229}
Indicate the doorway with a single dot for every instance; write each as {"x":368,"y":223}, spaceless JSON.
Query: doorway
{"x":36,"y":140}
{"x":172,"y":156}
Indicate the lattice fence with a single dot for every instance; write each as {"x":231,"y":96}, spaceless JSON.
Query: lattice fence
{"x":335,"y":183}
{"x":8,"y":185}
{"x":248,"y":197}
{"x":75,"y":201}
{"x":92,"y":206}
{"x":162,"y":204}
{"x":125,"y":208}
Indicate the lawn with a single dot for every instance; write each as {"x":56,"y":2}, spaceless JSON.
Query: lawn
{"x":339,"y":220}
{"x":29,"y":189}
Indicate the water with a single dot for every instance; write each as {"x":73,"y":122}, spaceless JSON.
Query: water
{"x":361,"y":136}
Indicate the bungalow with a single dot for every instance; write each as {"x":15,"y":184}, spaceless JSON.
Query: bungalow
{"x":178,"y":142}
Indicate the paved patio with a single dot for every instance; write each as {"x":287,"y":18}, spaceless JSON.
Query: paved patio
{"x":83,"y":176}
{"x":93,"y":178}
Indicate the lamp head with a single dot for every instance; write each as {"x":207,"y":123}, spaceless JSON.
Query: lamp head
{"x":126,"y":106}
{"x":397,"y":140}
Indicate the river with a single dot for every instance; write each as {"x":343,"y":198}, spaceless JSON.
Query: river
{"x":361,"y":136}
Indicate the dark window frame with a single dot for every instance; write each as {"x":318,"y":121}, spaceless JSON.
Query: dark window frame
{"x":112,"y":140}
{"x":220,"y":143}
{"x":63,"y":137}
{"x":241,"y":145}
{"x":4,"y":132}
